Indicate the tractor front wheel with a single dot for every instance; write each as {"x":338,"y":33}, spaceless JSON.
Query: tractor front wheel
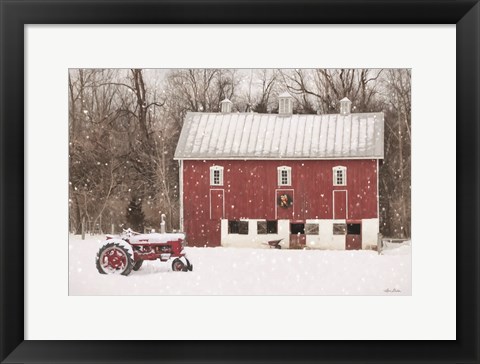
{"x":137,"y":265}
{"x":178,"y":266}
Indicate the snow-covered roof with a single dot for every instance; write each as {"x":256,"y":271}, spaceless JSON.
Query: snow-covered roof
{"x":273,"y":136}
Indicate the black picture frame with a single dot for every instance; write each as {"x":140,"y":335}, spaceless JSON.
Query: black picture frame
{"x":16,"y":14}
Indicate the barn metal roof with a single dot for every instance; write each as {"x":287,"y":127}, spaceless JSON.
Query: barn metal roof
{"x":273,"y":136}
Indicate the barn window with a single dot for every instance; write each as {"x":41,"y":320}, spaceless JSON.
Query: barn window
{"x":339,"y":176}
{"x":339,"y":229}
{"x":216,"y":176}
{"x":284,"y":176}
{"x":238,"y":227}
{"x":233,"y":227}
{"x":311,"y":229}
{"x":267,"y":227}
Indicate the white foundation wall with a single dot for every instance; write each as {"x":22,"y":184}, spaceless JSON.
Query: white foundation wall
{"x":325,"y":239}
{"x":253,"y":240}
{"x":370,"y":229}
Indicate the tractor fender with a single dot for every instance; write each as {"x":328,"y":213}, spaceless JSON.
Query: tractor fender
{"x":183,"y":259}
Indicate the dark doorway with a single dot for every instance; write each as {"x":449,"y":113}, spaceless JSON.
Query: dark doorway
{"x":296,"y":228}
{"x":354,"y":236}
{"x":298,"y":238}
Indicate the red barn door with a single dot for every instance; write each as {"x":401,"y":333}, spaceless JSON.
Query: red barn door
{"x":217,"y":211}
{"x":340,"y":204}
{"x":216,"y":204}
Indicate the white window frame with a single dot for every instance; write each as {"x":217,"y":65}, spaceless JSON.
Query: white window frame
{"x":289,"y":175}
{"x":213,"y":169}
{"x":342,"y":169}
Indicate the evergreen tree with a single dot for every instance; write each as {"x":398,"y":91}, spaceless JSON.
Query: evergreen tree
{"x":135,"y":215}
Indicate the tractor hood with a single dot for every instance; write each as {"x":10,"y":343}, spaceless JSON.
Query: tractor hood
{"x":156,"y":238}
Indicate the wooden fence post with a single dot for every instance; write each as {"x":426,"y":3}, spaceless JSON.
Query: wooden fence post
{"x":83,"y":228}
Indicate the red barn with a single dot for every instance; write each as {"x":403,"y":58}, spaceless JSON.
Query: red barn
{"x":249,"y":178}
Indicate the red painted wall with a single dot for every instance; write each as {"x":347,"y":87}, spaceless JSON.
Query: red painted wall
{"x":250,"y":192}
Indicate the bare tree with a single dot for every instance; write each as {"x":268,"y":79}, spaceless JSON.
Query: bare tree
{"x":395,"y":187}
{"x":258,"y":94}
{"x":90,"y":106}
{"x":321,"y":89}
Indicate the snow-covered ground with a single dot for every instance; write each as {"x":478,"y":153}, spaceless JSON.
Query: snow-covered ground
{"x":235,"y":271}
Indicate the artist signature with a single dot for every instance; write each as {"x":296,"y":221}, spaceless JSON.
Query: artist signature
{"x":388,"y":290}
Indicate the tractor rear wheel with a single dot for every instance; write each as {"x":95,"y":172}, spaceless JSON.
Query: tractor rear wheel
{"x":112,"y":258}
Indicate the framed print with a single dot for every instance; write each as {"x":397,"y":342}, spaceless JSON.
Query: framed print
{"x":239,"y":177}
{"x":64,"y":170}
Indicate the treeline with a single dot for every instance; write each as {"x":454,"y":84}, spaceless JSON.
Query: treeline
{"x":124,"y":126}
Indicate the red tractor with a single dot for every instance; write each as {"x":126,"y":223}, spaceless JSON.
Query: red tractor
{"x":120,"y":254}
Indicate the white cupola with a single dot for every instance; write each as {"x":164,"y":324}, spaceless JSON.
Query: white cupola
{"x":226,"y":106}
{"x":285,"y":104}
{"x":345,"y":106}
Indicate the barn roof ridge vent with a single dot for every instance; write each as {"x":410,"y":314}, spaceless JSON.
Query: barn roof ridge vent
{"x":226,"y":106}
{"x":285,"y":104}
{"x":345,"y":106}
{"x":285,"y":94}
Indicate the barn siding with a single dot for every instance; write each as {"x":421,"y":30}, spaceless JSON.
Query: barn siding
{"x":250,"y":192}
